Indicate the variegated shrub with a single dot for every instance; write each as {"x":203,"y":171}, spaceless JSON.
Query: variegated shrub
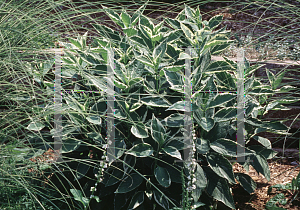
{"x":149,"y":78}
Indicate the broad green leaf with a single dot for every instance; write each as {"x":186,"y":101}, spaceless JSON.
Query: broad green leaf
{"x":113,"y":177}
{"x":246,"y":182}
{"x":145,"y":60}
{"x":155,"y":101}
{"x":114,"y":16}
{"x":119,"y":84}
{"x":79,"y":197}
{"x":141,"y":150}
{"x":174,"y":120}
{"x":219,"y":66}
{"x":69,"y":145}
{"x":138,"y":41}
{"x":218,"y":188}
{"x":136,"y":200}
{"x":215,"y":21}
{"x":172,"y":151}
{"x":207,"y":123}
{"x":221,"y":166}
{"x":82,"y":169}
{"x":125,"y":18}
{"x":174,"y":78}
{"x":145,"y":21}
{"x":181,"y":106}
{"x":271,"y":204}
{"x":202,"y":145}
{"x":35,"y":126}
{"x":201,"y":182}
{"x":162,"y":176}
{"x":131,"y":182}
{"x":75,"y":43}
{"x":225,"y":147}
{"x":95,"y":119}
{"x":161,"y":199}
{"x":157,"y":38}
{"x":159,"y":52}
{"x":173,"y":68}
{"x":278,"y":80}
{"x":221,"y":99}
{"x":130,"y":32}
{"x":225,"y":114}
{"x":265,"y":142}
{"x":267,"y":153}
{"x":188,"y":33}
{"x":128,"y":164}
{"x":260,"y":164}
{"x":139,"y":131}
{"x":157,"y":130}
{"x":252,"y":69}
{"x":189,"y":12}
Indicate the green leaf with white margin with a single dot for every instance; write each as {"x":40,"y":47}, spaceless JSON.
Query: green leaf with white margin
{"x":174,"y":68}
{"x":157,"y":37}
{"x":181,"y":106}
{"x":267,"y":153}
{"x":270,"y":77}
{"x":159,"y":52}
{"x":215,"y":21}
{"x":155,"y":101}
{"x":265,"y":142}
{"x":70,"y":145}
{"x":138,"y":41}
{"x":95,"y":119}
{"x":201,"y":182}
{"x":136,"y":200}
{"x":228,"y":147}
{"x":125,"y":18}
{"x":141,"y":150}
{"x":79,"y":197}
{"x":221,"y":99}
{"x":161,"y":199}
{"x":162,"y":176}
{"x":173,"y":78}
{"x":202,"y":145}
{"x":225,"y":147}
{"x":174,"y":120}
{"x":172,"y":151}
{"x":218,"y":188}
{"x":157,"y":130}
{"x":260,"y":164}
{"x":145,"y":21}
{"x":246,"y":182}
{"x":139,"y":131}
{"x":188,"y":33}
{"x":131,"y":182}
{"x":145,"y":60}
{"x":285,"y":89}
{"x":35,"y":126}
{"x":278,"y":80}
{"x":189,"y":12}
{"x":221,"y":166}
{"x":225,"y":114}
{"x":114,"y":16}
{"x":207,"y":123}
{"x":130,"y":32}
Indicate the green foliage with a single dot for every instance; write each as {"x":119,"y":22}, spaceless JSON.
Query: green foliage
{"x":293,"y":186}
{"x":149,"y":84}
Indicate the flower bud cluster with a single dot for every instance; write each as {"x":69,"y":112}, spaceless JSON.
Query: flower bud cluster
{"x":103,"y":165}
{"x":192,"y":166}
